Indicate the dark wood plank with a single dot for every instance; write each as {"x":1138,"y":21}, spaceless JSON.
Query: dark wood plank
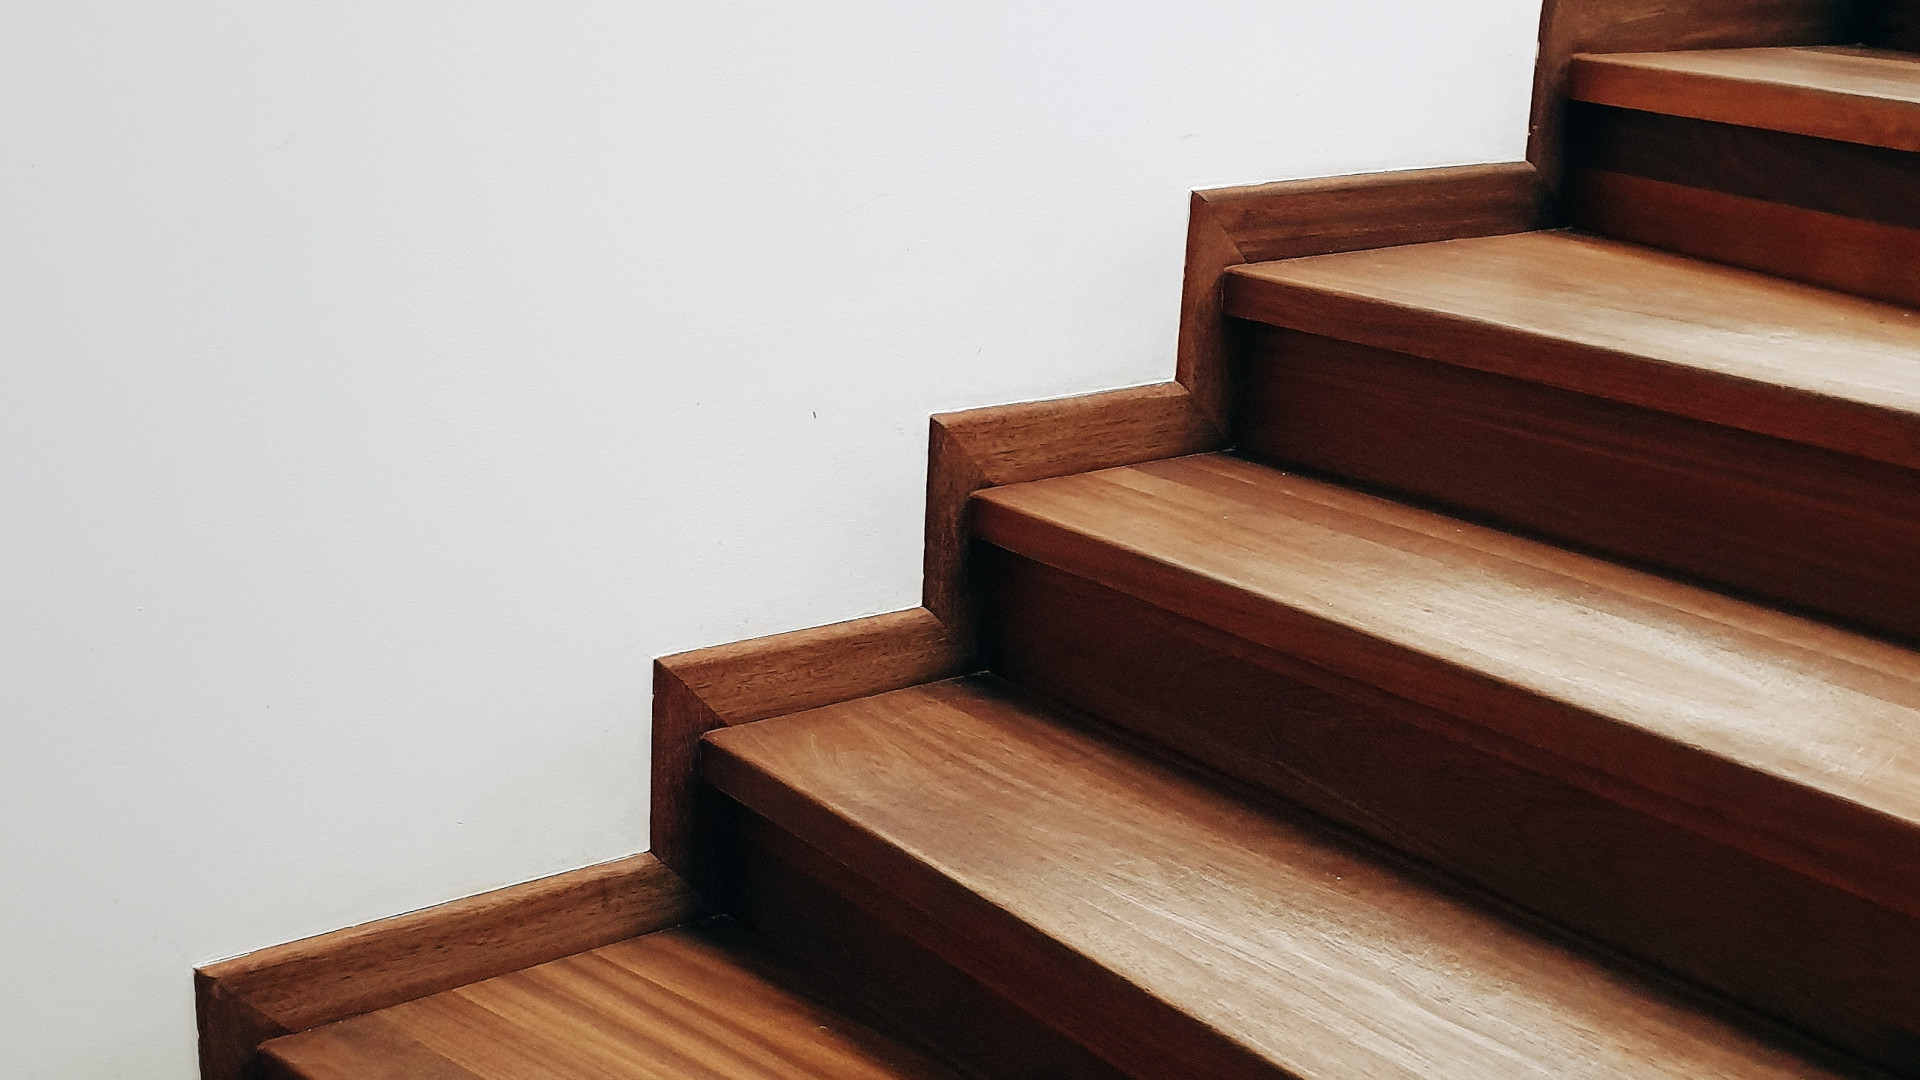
{"x":1178,"y":932}
{"x":289,"y":988}
{"x":1568,"y":27}
{"x":1819,"y":530}
{"x":1870,"y":183}
{"x":1868,"y":96}
{"x":1865,"y":258}
{"x":1624,"y":323}
{"x":694,"y":692}
{"x":1229,"y":226}
{"x":1784,"y":738}
{"x":1802,"y":951}
{"x":698,"y":1003}
{"x":888,"y":957}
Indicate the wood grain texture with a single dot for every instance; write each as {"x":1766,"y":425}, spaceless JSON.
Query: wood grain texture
{"x":1008,"y":444}
{"x":1801,"y":951}
{"x":888,"y":957}
{"x":1870,"y":183}
{"x":1868,"y":96}
{"x":1825,"y":532}
{"x":1230,"y":226}
{"x":694,"y":692}
{"x":1569,"y":27}
{"x":697,"y":1003}
{"x":1787,"y":739}
{"x":1866,"y":258}
{"x":1623,"y":323}
{"x":1178,"y":932}
{"x":293,"y":987}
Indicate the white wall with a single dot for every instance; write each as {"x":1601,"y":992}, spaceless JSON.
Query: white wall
{"x":383,"y":384}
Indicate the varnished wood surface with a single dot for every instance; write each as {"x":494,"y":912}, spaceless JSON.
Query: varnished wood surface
{"x":744,"y":681}
{"x":1866,"y":258}
{"x":1178,"y":932}
{"x":1624,"y":323}
{"x":1007,"y":444}
{"x":289,"y":988}
{"x":1822,"y":959}
{"x":1815,"y":529}
{"x":1783,"y":737}
{"x":698,"y":1003}
{"x":1229,"y":226}
{"x":1854,"y":95}
{"x":1569,"y":27}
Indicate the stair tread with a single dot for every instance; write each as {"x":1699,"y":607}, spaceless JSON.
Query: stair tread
{"x":1798,"y":735}
{"x":1285,"y":947}
{"x":1866,"y":96}
{"x":686,"y":1004}
{"x":1624,"y":323}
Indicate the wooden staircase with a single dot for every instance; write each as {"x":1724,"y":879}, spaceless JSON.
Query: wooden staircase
{"x":1495,"y":658}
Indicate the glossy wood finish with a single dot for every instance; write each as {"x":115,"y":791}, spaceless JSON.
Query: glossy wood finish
{"x":827,"y":916}
{"x":1230,"y":226}
{"x":698,"y":1003}
{"x":288,"y":988}
{"x":1570,"y":27}
{"x":694,"y":692}
{"x":1866,"y":258}
{"x":1868,"y":96}
{"x":1008,"y":444}
{"x":1178,"y":932}
{"x":1795,"y":948}
{"x":1783,"y":738}
{"x":1819,"y":530}
{"x":1622,"y":323}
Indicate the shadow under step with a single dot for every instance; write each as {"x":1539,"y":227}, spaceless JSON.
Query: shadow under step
{"x":1723,"y":789}
{"x":700,"y":1002}
{"x":1802,"y":162}
{"x":1736,"y":428}
{"x":1178,"y":932}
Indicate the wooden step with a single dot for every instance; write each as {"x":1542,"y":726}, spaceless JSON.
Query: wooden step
{"x":1867,"y":96}
{"x":1801,"y":162}
{"x":1176,"y":931}
{"x":696,"y":1003}
{"x":1741,"y":429}
{"x":1580,"y":708}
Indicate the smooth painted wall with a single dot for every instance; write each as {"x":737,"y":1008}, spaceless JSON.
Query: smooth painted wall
{"x":384,"y":384}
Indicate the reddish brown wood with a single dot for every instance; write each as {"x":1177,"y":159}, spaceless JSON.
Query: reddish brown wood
{"x":1230,"y":226}
{"x":1783,"y":738}
{"x":1816,"y":529}
{"x":1862,"y":257}
{"x":698,"y":1003}
{"x":752,"y":680}
{"x":1008,"y":444}
{"x":1801,"y":951}
{"x":1568,"y":27}
{"x":1176,"y":931}
{"x":1622,"y":323}
{"x":1867,"y":96}
{"x":290,"y":988}
{"x":827,"y":916}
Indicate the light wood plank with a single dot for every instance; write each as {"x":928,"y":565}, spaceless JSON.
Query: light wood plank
{"x":697,"y":1003}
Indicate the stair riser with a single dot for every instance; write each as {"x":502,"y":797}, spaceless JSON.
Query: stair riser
{"x":1788,"y":945}
{"x":959,"y":960}
{"x":1810,"y":528}
{"x":779,"y":886}
{"x":1830,"y":213}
